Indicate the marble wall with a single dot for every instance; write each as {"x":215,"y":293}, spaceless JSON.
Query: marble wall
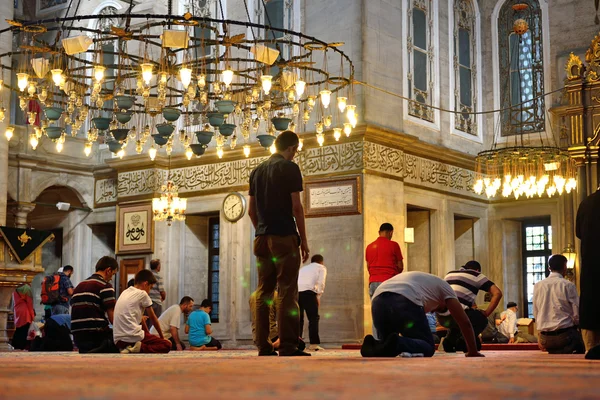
{"x":418,"y":254}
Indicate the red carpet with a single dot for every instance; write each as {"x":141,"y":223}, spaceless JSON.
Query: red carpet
{"x":327,"y":375}
{"x":484,"y":347}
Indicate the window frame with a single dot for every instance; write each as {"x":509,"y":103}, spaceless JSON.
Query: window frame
{"x":476,"y":62}
{"x":544,"y":23}
{"x":434,"y":71}
{"x":213,"y":251}
{"x":546,"y":223}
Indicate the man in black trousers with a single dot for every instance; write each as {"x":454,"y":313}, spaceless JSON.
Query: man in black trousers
{"x":311,"y":285}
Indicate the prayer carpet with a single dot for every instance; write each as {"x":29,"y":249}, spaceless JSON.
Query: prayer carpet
{"x":329,"y":374}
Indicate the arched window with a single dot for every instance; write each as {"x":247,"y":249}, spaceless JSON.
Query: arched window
{"x":464,"y":66}
{"x":521,"y":69}
{"x":421,"y":58}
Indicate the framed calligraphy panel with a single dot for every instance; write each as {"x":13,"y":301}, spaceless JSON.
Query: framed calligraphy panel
{"x":135,"y":229}
{"x":332,"y":197}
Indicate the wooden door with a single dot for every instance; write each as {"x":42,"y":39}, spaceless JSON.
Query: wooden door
{"x":127,"y":270}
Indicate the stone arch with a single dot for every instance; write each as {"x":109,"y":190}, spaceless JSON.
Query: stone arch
{"x":83,"y":187}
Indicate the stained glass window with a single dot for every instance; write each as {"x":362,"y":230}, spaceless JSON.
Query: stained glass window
{"x":421,"y":61}
{"x":465,"y":72}
{"x":521,"y":69}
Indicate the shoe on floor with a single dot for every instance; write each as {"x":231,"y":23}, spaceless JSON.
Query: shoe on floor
{"x":368,"y":347}
{"x":314,"y":347}
{"x":371,"y":347}
{"x":593,"y":354}
{"x":135,"y":348}
{"x":297,"y":353}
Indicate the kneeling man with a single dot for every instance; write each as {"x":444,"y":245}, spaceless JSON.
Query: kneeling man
{"x":170,"y":320}
{"x":399,"y":306}
{"x":556,"y":310}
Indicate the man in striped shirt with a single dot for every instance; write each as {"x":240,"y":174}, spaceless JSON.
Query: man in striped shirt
{"x":92,"y":307}
{"x":466,"y":283}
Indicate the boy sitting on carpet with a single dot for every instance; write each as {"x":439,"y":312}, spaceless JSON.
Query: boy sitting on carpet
{"x":199,"y":329}
{"x":129,"y":329}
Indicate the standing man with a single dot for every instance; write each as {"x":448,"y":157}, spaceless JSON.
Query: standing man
{"x":157,"y":293}
{"x":556,"y":310}
{"x":311,"y":285}
{"x":588,"y":220}
{"x":384,"y":258}
{"x":65,"y":290}
{"x":278,"y":218}
{"x":466,"y":283}
{"x":93,"y":305}
{"x":170,"y":320}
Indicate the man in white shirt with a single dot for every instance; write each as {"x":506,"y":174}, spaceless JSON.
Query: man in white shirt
{"x":556,"y":310}
{"x":130,"y":332}
{"x":170,"y":320}
{"x":509,"y":328}
{"x":311,"y":285}
{"x":399,"y":306}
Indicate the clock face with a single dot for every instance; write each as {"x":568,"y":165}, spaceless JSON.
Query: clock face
{"x":234,"y":206}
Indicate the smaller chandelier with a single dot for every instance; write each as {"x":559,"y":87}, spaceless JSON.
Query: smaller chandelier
{"x":169,"y":206}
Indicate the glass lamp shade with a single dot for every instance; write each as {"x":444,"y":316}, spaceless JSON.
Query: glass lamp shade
{"x":87,"y":149}
{"x":273,"y":149}
{"x":341,"y":102}
{"x":57,"y":76}
{"x":99,"y":72}
{"x":22,"y":81}
{"x":146,"y":72}
{"x":320,"y":139}
{"x":570,"y":255}
{"x":337,"y":134}
{"x":266,"y":83}
{"x":33,"y":141}
{"x":347,"y":129}
{"x":300,"y":87}
{"x":246,"y":151}
{"x":325,"y":97}
{"x":10,"y":131}
{"x":189,"y":153}
{"x":227,"y":77}
{"x":185,"y":76}
{"x":152,"y":153}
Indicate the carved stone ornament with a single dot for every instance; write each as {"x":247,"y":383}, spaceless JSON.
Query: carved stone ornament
{"x":574,"y":67}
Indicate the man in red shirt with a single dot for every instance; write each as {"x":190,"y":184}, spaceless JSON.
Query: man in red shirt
{"x":384,"y":258}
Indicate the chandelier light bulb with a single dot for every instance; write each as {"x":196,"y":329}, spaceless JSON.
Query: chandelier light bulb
{"x":31,"y":88}
{"x":2,"y":114}
{"x":266,"y":83}
{"x":22,"y":81}
{"x":220,"y":152}
{"x":347,"y":129}
{"x":147,"y":72}
{"x":273,"y":149}
{"x":337,"y":134}
{"x":478,"y":186}
{"x":87,"y":149}
{"x":121,"y":153}
{"x":10,"y":131}
{"x":185,"y":76}
{"x":189,"y":153}
{"x":341,"y":103}
{"x":59,"y":146}
{"x":99,"y":72}
{"x":300,"y":86}
{"x":300,"y":144}
{"x":351,"y":114}
{"x":325,"y":97}
{"x":57,"y":76}
{"x":163,"y":77}
{"x":33,"y":141}
{"x":152,"y":153}
{"x":246,"y":150}
{"x":320,"y":139}
{"x":227,"y":77}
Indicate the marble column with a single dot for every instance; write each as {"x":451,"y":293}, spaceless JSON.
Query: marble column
{"x":22,"y":211}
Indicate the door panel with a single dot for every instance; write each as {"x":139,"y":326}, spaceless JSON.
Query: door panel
{"x":127,"y":270}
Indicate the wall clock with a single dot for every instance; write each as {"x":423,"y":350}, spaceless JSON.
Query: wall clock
{"x":234,"y":206}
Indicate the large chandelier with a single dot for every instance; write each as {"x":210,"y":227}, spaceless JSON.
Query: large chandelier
{"x":150,"y":83}
{"x":523,"y":169}
{"x":169,"y":206}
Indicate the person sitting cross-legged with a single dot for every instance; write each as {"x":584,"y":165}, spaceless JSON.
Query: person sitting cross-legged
{"x":170,"y":320}
{"x":556,"y":310}
{"x":129,"y":328}
{"x":198,"y":327}
{"x":508,"y":326}
{"x":399,"y":306}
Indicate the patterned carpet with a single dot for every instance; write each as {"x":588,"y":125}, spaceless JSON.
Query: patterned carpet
{"x":331,"y":374}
